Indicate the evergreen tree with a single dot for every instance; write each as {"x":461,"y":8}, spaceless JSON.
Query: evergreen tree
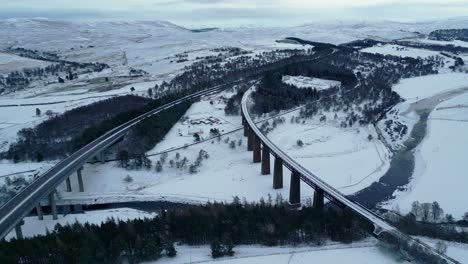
{"x":216,"y":249}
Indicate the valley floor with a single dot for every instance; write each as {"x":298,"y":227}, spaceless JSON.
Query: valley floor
{"x":440,"y":163}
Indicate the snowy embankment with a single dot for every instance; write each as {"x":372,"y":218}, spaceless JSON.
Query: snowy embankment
{"x":440,"y":160}
{"x":34,"y":227}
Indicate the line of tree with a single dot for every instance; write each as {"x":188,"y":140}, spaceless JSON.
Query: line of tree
{"x":366,"y":89}
{"x":69,"y":70}
{"x":220,"y":225}
{"x":60,"y":135}
{"x":450,"y":34}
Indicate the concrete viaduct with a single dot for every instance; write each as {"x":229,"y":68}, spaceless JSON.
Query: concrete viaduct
{"x":262,"y":148}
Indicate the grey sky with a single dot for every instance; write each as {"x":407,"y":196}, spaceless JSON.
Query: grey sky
{"x":235,"y":12}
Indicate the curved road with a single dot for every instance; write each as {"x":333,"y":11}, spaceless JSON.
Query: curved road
{"x":12,"y":212}
{"x":331,"y":193}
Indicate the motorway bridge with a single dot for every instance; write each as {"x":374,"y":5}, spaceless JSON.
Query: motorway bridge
{"x":13,"y":212}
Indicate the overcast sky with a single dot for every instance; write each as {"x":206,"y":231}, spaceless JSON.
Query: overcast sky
{"x":236,"y":12}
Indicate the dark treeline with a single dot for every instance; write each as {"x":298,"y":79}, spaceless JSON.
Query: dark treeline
{"x":233,"y":103}
{"x":146,"y":134}
{"x":365,"y":92}
{"x":362,"y":43}
{"x":60,"y":135}
{"x":435,"y":47}
{"x":450,"y":34}
{"x":410,"y":226}
{"x":273,"y":94}
{"x":144,"y":240}
{"x":205,"y":73}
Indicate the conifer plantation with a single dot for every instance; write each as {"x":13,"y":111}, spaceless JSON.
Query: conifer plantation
{"x":220,"y":225}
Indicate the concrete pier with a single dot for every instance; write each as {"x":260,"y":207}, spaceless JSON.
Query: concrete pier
{"x":19,"y":231}
{"x":40,"y":214}
{"x":318,"y":198}
{"x":53,"y":205}
{"x":265,"y":160}
{"x":250,"y":140}
{"x":278,"y":174}
{"x":68,"y":183}
{"x":80,"y":179}
{"x":257,"y":154}
{"x":295,"y":189}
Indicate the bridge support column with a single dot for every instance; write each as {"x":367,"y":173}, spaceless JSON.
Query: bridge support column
{"x":40,"y":214}
{"x":278,"y":174}
{"x":318,"y":198}
{"x":68,"y":183}
{"x":257,"y":154}
{"x":102,"y":157}
{"x":265,"y":160}
{"x":80,"y":179}
{"x":246,"y":127}
{"x":250,"y":140}
{"x":53,"y":205}
{"x":19,"y":231}
{"x":295,"y":189}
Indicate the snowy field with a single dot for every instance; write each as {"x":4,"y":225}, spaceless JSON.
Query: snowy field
{"x":9,"y":63}
{"x":307,"y":82}
{"x":34,"y":227}
{"x":414,"y":89}
{"x":402,"y":51}
{"x":440,"y":173}
{"x":365,"y":252}
{"x":332,"y":152}
{"x":228,"y":171}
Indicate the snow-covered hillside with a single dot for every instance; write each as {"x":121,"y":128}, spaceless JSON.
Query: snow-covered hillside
{"x":149,"y":45}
